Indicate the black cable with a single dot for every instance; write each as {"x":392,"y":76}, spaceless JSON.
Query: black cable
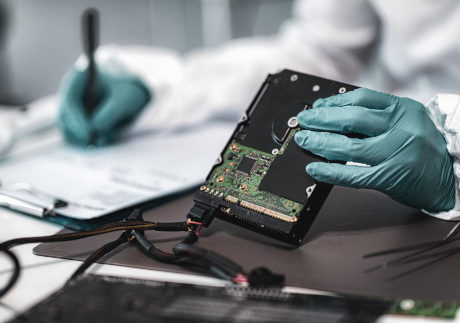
{"x":98,"y":254}
{"x":117,"y":226}
{"x":131,"y":224}
{"x":223,"y":266}
{"x":16,"y":272}
{"x":172,"y":226}
{"x":184,"y":253}
{"x":205,"y":260}
{"x":191,"y":238}
{"x":147,"y":247}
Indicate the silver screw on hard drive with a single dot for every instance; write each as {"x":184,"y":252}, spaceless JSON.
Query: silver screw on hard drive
{"x":310,"y":190}
{"x":292,"y":122}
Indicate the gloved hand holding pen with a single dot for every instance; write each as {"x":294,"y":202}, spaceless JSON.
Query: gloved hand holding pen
{"x":407,"y":154}
{"x":120,"y":99}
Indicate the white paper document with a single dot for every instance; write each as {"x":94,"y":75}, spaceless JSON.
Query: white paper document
{"x":97,"y":182}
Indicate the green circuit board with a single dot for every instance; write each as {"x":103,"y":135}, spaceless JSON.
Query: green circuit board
{"x":437,"y":309}
{"x":237,"y":179}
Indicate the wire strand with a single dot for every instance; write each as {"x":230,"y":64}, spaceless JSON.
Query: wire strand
{"x":16,"y":272}
{"x":98,"y":254}
{"x":141,"y":225}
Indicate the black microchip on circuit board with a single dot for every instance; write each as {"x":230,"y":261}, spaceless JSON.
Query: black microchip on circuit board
{"x":259,"y":182}
{"x":246,"y":164}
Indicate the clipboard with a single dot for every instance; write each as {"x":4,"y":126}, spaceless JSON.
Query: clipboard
{"x":52,"y":214}
{"x":83,"y":189}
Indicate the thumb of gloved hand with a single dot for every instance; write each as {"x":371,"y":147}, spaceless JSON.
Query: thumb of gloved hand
{"x":120,"y":99}
{"x":407,"y":154}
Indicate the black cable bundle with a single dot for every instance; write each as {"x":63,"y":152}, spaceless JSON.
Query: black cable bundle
{"x":131,"y":224}
{"x":184,"y":254}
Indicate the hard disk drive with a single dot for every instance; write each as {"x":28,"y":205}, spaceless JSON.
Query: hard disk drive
{"x":259,"y":180}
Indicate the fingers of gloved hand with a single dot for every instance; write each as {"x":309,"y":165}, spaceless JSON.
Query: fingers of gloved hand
{"x":121,"y":102}
{"x":348,"y":119}
{"x":343,"y":175}
{"x":72,"y":119}
{"x":410,"y":161}
{"x":386,"y":180}
{"x":359,"y":97}
{"x":73,"y":84}
{"x":105,"y":138}
{"x":334,"y":146}
{"x":73,"y":134}
{"x":120,"y":99}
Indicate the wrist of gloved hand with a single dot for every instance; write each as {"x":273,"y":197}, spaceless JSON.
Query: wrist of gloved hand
{"x":407,"y":155}
{"x":120,"y":100}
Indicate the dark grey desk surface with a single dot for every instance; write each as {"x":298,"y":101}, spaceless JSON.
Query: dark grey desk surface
{"x":352,"y":223}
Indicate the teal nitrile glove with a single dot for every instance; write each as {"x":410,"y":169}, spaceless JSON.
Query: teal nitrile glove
{"x":407,"y":155}
{"x":121,"y":98}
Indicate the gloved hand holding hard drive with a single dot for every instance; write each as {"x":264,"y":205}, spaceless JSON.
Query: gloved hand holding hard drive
{"x":407,"y":155}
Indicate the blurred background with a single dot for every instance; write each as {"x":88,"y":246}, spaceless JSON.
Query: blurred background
{"x":40,"y":39}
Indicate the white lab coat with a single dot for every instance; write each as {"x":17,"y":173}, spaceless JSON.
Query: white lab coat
{"x":408,"y":48}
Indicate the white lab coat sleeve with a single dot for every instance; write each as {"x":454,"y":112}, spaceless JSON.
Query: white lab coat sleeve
{"x":444,"y":110}
{"x":323,"y":38}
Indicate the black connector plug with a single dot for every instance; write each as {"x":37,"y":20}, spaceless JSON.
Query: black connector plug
{"x":201,"y":213}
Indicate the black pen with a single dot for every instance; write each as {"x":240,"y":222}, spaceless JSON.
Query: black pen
{"x":90,"y":32}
